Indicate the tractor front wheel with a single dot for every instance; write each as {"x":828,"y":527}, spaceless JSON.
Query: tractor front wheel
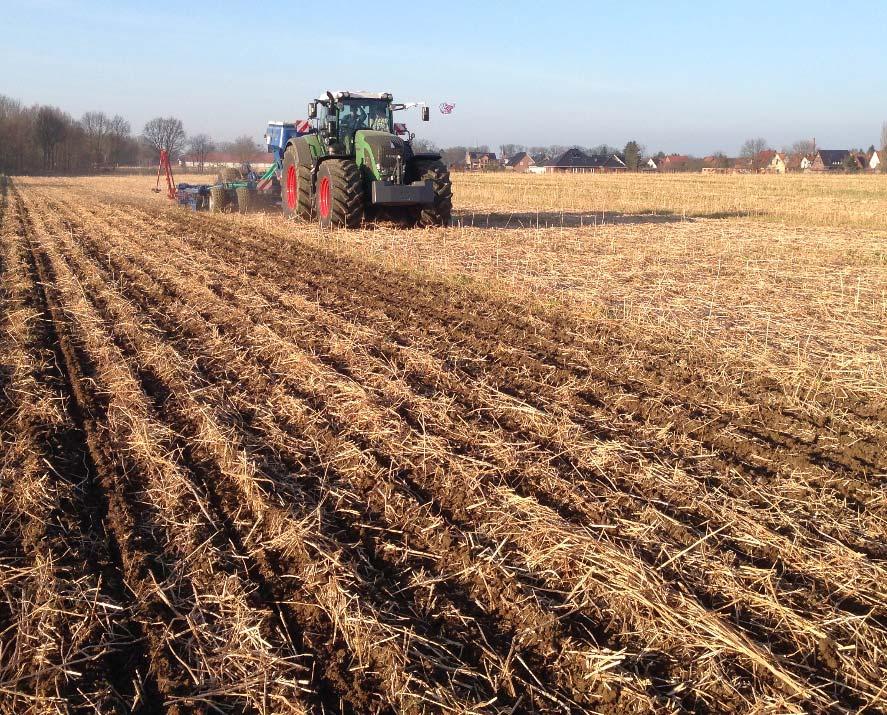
{"x":440,"y":212}
{"x":339,"y":194}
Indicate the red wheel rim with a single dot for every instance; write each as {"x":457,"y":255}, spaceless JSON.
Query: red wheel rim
{"x":323,"y":197}
{"x":292,"y":189}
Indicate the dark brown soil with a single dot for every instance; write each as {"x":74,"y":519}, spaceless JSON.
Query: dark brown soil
{"x":442,"y":499}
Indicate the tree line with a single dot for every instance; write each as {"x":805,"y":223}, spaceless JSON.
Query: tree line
{"x":46,"y":139}
{"x":42,"y":138}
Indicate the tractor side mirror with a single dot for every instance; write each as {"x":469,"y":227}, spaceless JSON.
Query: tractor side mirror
{"x":312,"y":110}
{"x":426,"y":114}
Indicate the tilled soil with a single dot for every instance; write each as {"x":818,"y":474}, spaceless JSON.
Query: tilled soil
{"x":244,"y":474}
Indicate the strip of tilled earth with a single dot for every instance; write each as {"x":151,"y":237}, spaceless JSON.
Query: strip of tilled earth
{"x":68,"y":639}
{"x":208,"y":639}
{"x":779,"y":494}
{"x":292,"y":448}
{"x":207,"y":342}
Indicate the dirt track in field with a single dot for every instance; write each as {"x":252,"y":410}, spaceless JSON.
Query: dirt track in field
{"x":301,"y":483}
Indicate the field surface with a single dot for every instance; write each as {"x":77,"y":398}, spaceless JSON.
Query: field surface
{"x":588,"y":450}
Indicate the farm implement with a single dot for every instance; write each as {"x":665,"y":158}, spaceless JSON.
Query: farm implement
{"x":348,"y":161}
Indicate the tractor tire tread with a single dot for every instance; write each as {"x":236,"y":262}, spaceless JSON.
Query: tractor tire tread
{"x":346,"y":193}
{"x":440,"y":212}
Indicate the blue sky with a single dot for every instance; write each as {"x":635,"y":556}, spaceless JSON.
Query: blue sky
{"x":677,"y":76}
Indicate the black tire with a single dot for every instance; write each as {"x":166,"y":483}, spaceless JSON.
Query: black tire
{"x":441,"y":211}
{"x":339,"y":194}
{"x":218,"y":199}
{"x":295,"y":187}
{"x":247,"y":199}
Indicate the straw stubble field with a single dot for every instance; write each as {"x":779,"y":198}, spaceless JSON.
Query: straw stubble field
{"x":559,"y":461}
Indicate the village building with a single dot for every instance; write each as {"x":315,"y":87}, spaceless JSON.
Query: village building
{"x":577,"y":161}
{"x":778,"y":164}
{"x":830,"y":160}
{"x":875,"y":160}
{"x":761,"y":160}
{"x":480,"y":160}
{"x":674,"y":162}
{"x":520,"y":163}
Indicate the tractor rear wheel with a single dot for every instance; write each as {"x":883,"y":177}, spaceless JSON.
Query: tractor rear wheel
{"x":440,"y":212}
{"x":247,"y":199}
{"x":339,"y":194}
{"x":218,"y":199}
{"x":295,"y":190}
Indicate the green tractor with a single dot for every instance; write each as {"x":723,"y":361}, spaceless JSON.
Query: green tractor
{"x":353,"y":163}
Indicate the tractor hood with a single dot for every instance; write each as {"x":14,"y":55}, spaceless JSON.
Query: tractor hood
{"x":379,"y":151}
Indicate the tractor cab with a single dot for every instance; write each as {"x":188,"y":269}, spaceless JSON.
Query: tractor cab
{"x":340,"y":116}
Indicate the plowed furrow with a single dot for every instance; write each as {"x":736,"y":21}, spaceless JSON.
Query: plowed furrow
{"x":380,"y":508}
{"x":551,"y":345}
{"x":703,"y":469}
{"x":206,"y":635}
{"x":509,"y":368}
{"x":71,"y":638}
{"x":837,"y":413}
{"x":806,"y":640}
{"x":192,"y":421}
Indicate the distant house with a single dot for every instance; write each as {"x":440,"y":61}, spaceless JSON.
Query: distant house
{"x":830,"y":160}
{"x":761,"y":160}
{"x":479,"y":160}
{"x":806,"y":163}
{"x":520,"y":163}
{"x":875,"y":160}
{"x":778,"y":164}
{"x":674,"y":162}
{"x":576,"y":161}
{"x":651,"y":165}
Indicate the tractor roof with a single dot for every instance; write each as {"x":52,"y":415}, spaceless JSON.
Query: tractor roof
{"x":362,"y":95}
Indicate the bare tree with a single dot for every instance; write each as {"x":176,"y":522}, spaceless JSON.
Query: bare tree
{"x":804,"y":147}
{"x":96,"y":126}
{"x":751,"y":149}
{"x":50,"y":129}
{"x":506,"y":151}
{"x":165,"y":134}
{"x":424,"y":146}
{"x":243,"y":148}
{"x":15,"y":135}
{"x":884,"y":136}
{"x":200,"y":145}
{"x":119,"y":139}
